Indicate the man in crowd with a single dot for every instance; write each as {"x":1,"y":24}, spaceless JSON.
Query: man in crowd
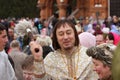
{"x":6,"y":70}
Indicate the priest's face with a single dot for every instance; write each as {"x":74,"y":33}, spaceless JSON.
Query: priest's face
{"x":66,"y":37}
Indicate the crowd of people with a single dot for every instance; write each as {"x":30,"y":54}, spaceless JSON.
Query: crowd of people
{"x":58,"y":49}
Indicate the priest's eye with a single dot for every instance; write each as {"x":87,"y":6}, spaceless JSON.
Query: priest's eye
{"x":68,"y":32}
{"x":60,"y":34}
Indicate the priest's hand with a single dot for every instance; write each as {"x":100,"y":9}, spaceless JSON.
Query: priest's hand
{"x":36,"y":50}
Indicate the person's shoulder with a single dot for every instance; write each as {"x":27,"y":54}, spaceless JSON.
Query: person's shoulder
{"x":17,"y":53}
{"x":82,"y":48}
{"x":83,"y":53}
{"x":52,"y":54}
{"x":52,"y":58}
{"x":3,"y":53}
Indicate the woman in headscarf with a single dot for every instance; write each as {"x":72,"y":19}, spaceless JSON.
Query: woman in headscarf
{"x":102,"y":58}
{"x":87,"y":39}
{"x":113,"y":38}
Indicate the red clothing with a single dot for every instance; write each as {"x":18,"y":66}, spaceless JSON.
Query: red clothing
{"x":116,"y":38}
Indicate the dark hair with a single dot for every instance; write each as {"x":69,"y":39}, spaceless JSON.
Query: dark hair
{"x":60,"y":23}
{"x":110,"y":36}
{"x":2,"y":27}
{"x":102,"y":54}
{"x":46,"y":50}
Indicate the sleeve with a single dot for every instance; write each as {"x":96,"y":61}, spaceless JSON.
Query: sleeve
{"x":39,"y":71}
{"x":89,"y":73}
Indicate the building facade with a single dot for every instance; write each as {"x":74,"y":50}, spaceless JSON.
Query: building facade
{"x":77,"y":8}
{"x":115,"y":7}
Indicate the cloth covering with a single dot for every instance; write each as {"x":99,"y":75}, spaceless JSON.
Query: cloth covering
{"x":55,"y":65}
{"x":6,"y":70}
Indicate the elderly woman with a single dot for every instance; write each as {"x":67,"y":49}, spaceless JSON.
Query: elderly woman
{"x":102,"y":59}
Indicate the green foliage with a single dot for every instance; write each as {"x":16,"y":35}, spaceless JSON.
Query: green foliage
{"x":18,"y":8}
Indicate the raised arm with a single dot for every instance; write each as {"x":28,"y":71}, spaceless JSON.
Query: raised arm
{"x":39,"y":69}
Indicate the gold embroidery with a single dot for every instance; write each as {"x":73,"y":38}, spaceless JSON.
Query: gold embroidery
{"x":39,"y":68}
{"x":71,"y":66}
